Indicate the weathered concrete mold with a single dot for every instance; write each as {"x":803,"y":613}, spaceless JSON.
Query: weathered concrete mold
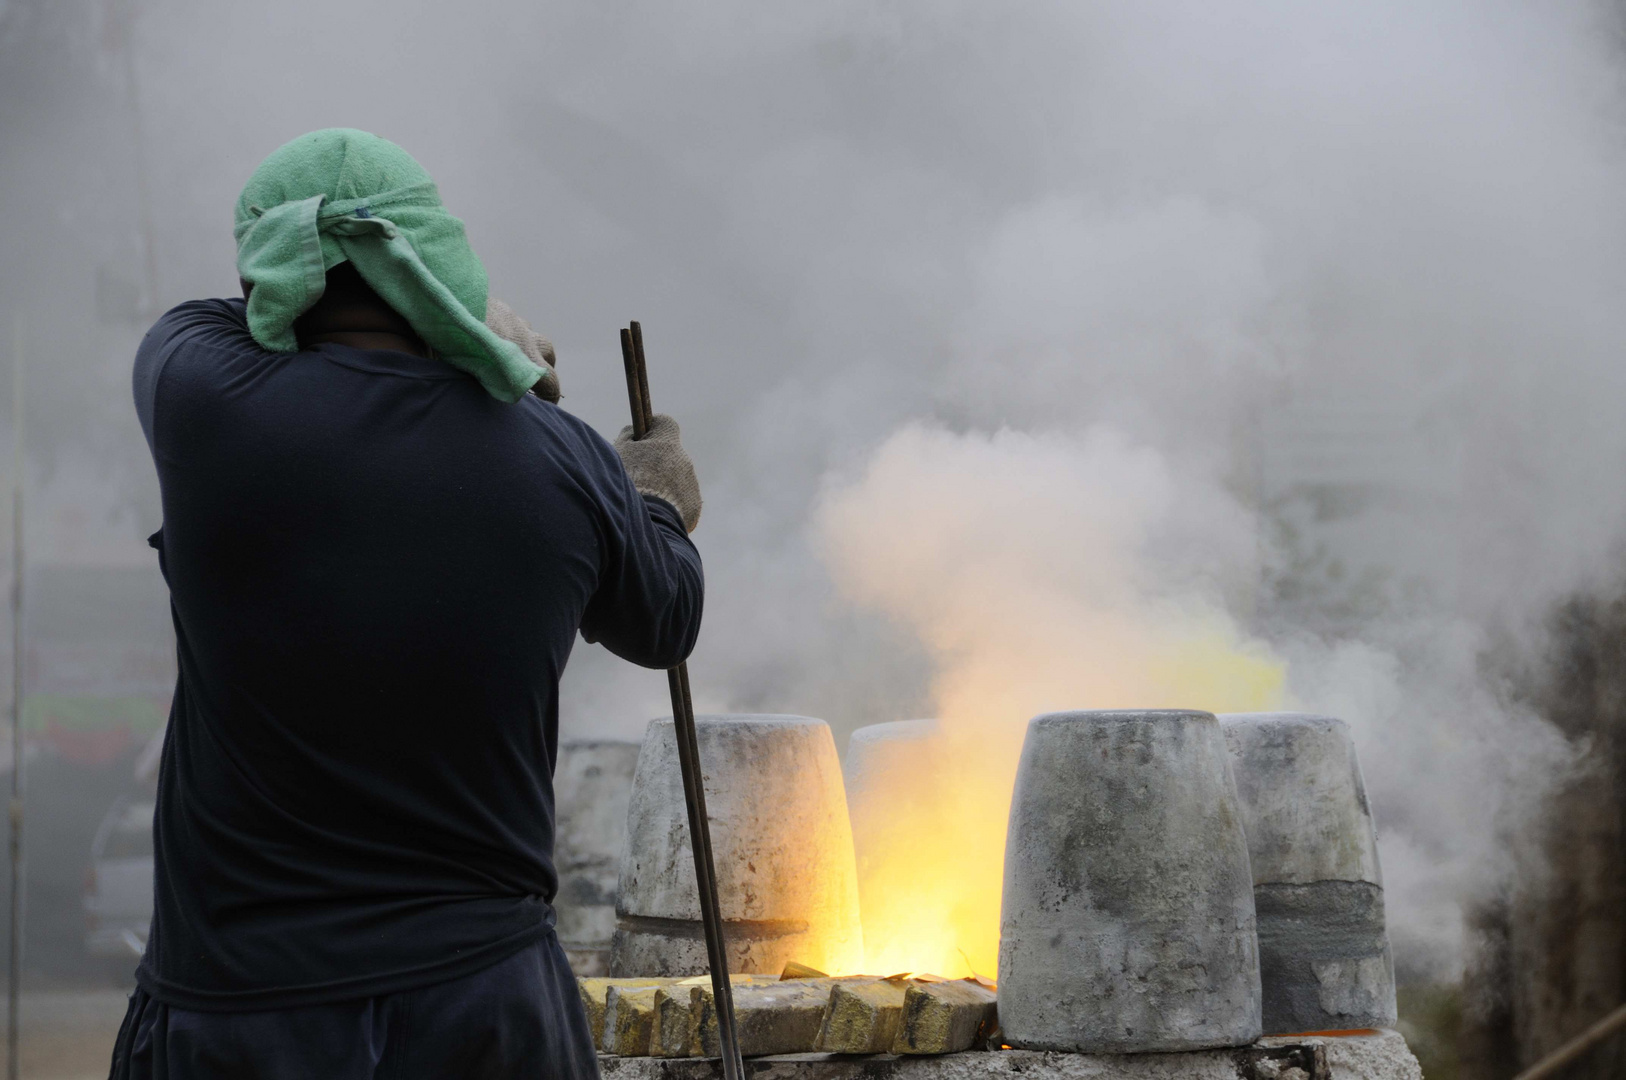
{"x":885,"y":764}
{"x":592,"y":784}
{"x":1323,"y":942}
{"x":1128,"y":918}
{"x":781,"y":840}
{"x":875,"y":755}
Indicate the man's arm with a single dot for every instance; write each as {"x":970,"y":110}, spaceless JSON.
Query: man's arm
{"x":651,"y":586}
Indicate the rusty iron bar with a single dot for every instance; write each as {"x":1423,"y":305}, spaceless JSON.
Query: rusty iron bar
{"x":688,"y":745}
{"x":642,"y":370}
{"x":1566,"y":1054}
{"x":635,"y":398}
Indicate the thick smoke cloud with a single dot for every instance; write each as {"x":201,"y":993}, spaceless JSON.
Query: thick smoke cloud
{"x":1041,"y":573}
{"x":1353,"y":269}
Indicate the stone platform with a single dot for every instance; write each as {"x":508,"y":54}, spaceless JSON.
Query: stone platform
{"x":1382,"y":1055}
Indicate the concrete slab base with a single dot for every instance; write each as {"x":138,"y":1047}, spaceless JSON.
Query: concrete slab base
{"x":1380,"y":1056}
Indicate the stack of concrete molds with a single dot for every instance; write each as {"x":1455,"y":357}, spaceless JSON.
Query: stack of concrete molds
{"x":592,"y":783}
{"x":780,"y":838}
{"x":1128,"y":920}
{"x":1323,"y":945}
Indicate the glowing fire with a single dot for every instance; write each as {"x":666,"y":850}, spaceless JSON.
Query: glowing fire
{"x":1018,"y":563}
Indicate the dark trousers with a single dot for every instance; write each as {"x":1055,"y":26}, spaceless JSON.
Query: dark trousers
{"x":521,"y":1017}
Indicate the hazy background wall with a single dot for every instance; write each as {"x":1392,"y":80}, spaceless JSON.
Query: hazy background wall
{"x":1348,"y":275}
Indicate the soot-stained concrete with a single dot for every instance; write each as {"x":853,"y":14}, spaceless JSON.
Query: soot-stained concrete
{"x":1128,"y":921}
{"x":1318,"y":889}
{"x":782,"y":844}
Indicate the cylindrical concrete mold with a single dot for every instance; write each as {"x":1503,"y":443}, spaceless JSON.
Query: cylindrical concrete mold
{"x":780,"y":839}
{"x":878,"y":753}
{"x":885,"y":765}
{"x":1128,"y":920}
{"x":1323,"y":944}
{"x":592,"y":784}
{"x":894,"y":774}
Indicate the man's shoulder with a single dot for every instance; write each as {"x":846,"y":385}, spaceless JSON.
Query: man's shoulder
{"x":216,"y":327}
{"x":216,"y":315}
{"x":568,"y":429}
{"x":577,"y":447}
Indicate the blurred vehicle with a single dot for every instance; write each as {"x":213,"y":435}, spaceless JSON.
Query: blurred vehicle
{"x":118,"y":883}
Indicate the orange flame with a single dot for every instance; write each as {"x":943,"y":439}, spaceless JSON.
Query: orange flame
{"x":1016,"y":561}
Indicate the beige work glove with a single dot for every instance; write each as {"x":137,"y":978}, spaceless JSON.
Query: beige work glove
{"x":659,"y":466}
{"x":507,"y":324}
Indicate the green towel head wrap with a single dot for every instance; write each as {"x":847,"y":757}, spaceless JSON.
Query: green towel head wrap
{"x":342,"y":194}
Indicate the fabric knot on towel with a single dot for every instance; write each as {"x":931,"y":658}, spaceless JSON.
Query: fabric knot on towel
{"x":341,"y":194}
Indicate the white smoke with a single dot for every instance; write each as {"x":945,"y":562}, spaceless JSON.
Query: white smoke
{"x":1354,"y":269}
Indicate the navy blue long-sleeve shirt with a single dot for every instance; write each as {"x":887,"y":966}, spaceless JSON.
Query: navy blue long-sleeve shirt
{"x":376,"y":573}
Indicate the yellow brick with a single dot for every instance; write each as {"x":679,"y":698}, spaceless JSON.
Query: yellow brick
{"x":735,"y":978}
{"x":862,"y":1017}
{"x":945,"y":1017}
{"x":629,"y":1018}
{"x":673,"y":1031}
{"x":670,"y":1034}
{"x":594,"y":991}
{"x":770,"y":1017}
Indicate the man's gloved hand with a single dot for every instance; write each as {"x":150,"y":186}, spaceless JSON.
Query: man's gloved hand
{"x":507,"y":324}
{"x":659,"y":466}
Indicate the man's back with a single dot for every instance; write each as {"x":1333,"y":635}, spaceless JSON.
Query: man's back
{"x":377,"y":573}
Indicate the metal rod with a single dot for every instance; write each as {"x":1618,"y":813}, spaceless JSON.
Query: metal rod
{"x":642,"y":369}
{"x":688,"y":745}
{"x":14,"y":968}
{"x":711,"y":916}
{"x":1564,"y":1055}
{"x":635,"y":398}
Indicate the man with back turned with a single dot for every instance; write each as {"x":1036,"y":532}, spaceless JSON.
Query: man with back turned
{"x":381,"y":537}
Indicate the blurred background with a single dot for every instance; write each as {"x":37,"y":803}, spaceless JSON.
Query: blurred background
{"x":1033,"y":355}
